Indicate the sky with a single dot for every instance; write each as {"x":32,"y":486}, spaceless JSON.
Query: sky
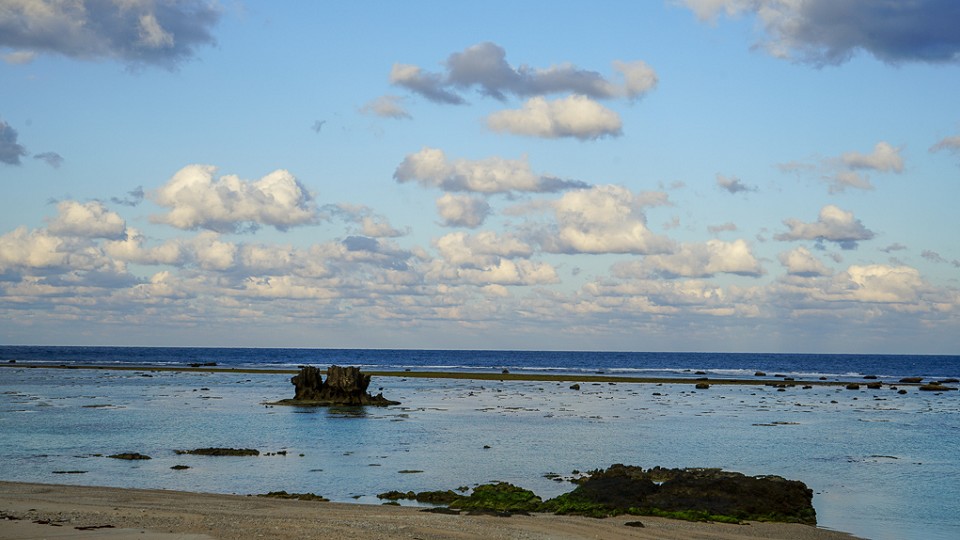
{"x":676,"y":175}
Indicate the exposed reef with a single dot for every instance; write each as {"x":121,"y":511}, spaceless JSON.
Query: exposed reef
{"x":690,"y":494}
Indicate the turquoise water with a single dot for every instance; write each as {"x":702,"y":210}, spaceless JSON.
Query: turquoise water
{"x":882,"y":465}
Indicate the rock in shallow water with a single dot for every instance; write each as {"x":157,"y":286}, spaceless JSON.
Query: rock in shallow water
{"x":344,"y":386}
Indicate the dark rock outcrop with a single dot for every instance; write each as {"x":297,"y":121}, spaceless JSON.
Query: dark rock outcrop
{"x":707,"y":494}
{"x":344,"y":386}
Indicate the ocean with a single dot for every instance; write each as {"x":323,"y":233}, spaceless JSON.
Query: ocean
{"x":882,"y":465}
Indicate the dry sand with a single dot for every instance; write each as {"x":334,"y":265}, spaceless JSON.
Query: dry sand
{"x":173,"y":515}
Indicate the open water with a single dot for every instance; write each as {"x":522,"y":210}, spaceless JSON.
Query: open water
{"x":882,"y":465}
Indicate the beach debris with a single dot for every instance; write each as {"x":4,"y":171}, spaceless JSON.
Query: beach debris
{"x":344,"y":386}
{"x":130,"y":456}
{"x":220,"y":452}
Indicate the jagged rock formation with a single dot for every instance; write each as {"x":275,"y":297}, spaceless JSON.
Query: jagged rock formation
{"x":344,"y":386}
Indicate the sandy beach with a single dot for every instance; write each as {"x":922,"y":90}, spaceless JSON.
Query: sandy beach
{"x":68,"y":512}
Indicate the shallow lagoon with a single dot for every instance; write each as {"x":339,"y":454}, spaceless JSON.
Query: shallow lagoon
{"x":882,"y":465}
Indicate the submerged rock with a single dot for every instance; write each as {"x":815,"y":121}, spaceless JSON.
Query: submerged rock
{"x":220,"y":452}
{"x":344,"y":386}
{"x":130,"y":456}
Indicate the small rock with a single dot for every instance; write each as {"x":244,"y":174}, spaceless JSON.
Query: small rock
{"x":759,"y":374}
{"x":911,"y":380}
{"x":638,"y":524}
{"x":574,"y":386}
{"x":702,"y":386}
{"x":853,"y":386}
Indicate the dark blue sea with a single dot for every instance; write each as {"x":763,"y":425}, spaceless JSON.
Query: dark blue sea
{"x":652,"y":364}
{"x":882,"y":463}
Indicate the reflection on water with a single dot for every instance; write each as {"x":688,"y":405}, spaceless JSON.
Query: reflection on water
{"x":877,"y":461}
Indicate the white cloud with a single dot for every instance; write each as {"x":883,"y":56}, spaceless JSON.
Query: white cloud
{"x":211,"y":253}
{"x":484,"y":66}
{"x":830,"y":31}
{"x":138,"y":32}
{"x":834,"y":225}
{"x":603,"y":219}
{"x":462,"y":210}
{"x":387,"y":107}
{"x":431,"y":168}
{"x":705,"y":260}
{"x":229,"y":204}
{"x":949,"y":144}
{"x":131,"y":249}
{"x":884,"y":158}
{"x":88,"y":220}
{"x":882,"y":284}
{"x":847,"y":170}
{"x":573,"y":116}
{"x":481,"y":249}
{"x":31,"y":249}
{"x":800,"y":262}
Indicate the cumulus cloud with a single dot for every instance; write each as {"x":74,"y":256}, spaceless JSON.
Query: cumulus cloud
{"x":428,"y":85}
{"x":370,"y":223}
{"x":143,"y":32}
{"x":884,"y":284}
{"x":732,"y":184}
{"x":884,"y":158}
{"x":481,"y":249}
{"x":462,"y":210}
{"x":850,"y":169}
{"x":574,"y":116}
{"x":31,"y":249}
{"x":132,"y":248}
{"x":10,"y":150}
{"x":387,"y":107}
{"x":228,"y":204}
{"x":824,"y":32}
{"x":603,"y":219}
{"x":52,"y":159}
{"x":431,"y":168}
{"x":800,"y":262}
{"x":484,"y":66}
{"x":699,"y":260}
{"x":833,"y":225}
{"x":488,"y":258}
{"x":88,"y":220}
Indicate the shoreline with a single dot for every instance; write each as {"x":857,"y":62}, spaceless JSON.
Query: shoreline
{"x":482,"y":376}
{"x":106,"y":512}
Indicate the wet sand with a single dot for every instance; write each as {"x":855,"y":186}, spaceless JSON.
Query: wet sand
{"x":174,"y":515}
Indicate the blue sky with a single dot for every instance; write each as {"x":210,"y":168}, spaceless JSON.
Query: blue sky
{"x":698,"y":175}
